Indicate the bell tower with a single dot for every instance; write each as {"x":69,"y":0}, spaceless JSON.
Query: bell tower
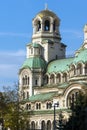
{"x":46,"y":33}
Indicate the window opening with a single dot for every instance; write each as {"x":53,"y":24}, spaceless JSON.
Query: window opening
{"x":47,"y":25}
{"x":39,"y":25}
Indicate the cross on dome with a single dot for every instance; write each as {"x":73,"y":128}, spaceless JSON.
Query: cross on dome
{"x":46,"y":6}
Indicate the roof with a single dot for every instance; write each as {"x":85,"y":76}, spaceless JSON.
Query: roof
{"x":34,"y":63}
{"x":62,"y":65}
{"x":42,"y":97}
{"x":81,"y":56}
{"x":45,"y":13}
{"x":59,"y":65}
{"x":35,"y":45}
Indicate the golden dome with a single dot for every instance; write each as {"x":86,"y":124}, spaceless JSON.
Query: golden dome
{"x":45,"y":13}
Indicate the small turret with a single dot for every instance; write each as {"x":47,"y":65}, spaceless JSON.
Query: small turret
{"x":85,"y":33}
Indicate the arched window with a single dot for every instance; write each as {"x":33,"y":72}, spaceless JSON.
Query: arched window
{"x":38,"y":105}
{"x":48,"y":125}
{"x":72,"y":97}
{"x":36,"y":82}
{"x":46,"y":79}
{"x":86,"y":68}
{"x":48,"y":105}
{"x":54,"y":26}
{"x":27,"y":94}
{"x":43,"y":127}
{"x":27,"y":125}
{"x":23,"y":95}
{"x":29,"y":106}
{"x":38,"y":26}
{"x":72,"y":71}
{"x":33,"y":125}
{"x":58,"y":78}
{"x":25,"y":80}
{"x":52,"y":78}
{"x":65,"y":77}
{"x":47,"y":25}
{"x":79,"y":69}
{"x":26,"y":106}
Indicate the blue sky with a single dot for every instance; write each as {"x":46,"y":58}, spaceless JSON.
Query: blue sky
{"x":16,"y":30}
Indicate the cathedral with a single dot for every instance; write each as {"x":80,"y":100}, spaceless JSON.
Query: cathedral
{"x":49,"y":79}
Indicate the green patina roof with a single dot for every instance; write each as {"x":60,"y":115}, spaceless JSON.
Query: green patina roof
{"x":63,"y":64}
{"x":82,"y":56}
{"x":59,"y":65}
{"x":42,"y":97}
{"x":34,"y":63}
{"x":35,"y":45}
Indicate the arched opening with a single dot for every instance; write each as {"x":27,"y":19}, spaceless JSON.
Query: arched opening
{"x":54,"y":26}
{"x":73,"y":71}
{"x":27,"y":125}
{"x":38,"y":25}
{"x":58,"y":78}
{"x":72,"y":97}
{"x":86,"y":68}
{"x":25,"y":80}
{"x":29,"y":106}
{"x":26,"y":106}
{"x":48,"y":105}
{"x":79,"y":69}
{"x":52,"y":79}
{"x":48,"y":125}
{"x":47,"y":25}
{"x":38,"y":105}
{"x":27,"y":94}
{"x":33,"y":125}
{"x":43,"y":127}
{"x":64,"y":77}
{"x":46,"y":79}
{"x":23,"y":95}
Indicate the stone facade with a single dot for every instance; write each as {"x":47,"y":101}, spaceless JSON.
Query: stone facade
{"x":47,"y":76}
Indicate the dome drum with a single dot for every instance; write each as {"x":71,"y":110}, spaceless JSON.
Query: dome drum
{"x":46,"y":21}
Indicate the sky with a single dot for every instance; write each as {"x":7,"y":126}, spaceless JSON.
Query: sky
{"x":16,"y":30}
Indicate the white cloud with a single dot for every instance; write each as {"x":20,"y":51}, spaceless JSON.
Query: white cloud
{"x":10,"y":63}
{"x":13,"y":53}
{"x":75,"y":33}
{"x":27,"y":35}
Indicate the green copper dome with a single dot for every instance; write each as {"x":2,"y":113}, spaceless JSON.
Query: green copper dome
{"x":35,"y":45}
{"x":59,"y":65}
{"x":34,"y":63}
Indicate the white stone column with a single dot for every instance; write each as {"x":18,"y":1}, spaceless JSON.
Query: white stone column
{"x":51,"y":27}
{"x":31,"y":85}
{"x":83,"y":69}
{"x":42,"y":27}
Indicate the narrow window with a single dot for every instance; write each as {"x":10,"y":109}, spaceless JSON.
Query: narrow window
{"x":36,"y":82}
{"x":39,"y":26}
{"x":47,"y":25}
{"x":54,"y":26}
